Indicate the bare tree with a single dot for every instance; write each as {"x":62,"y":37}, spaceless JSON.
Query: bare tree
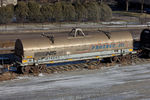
{"x":1,"y":3}
{"x":142,"y":5}
{"x":127,"y":5}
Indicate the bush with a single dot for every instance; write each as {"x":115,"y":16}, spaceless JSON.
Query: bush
{"x":60,"y":11}
{"x":21,"y":11}
{"x":68,"y":11}
{"x":34,"y":14}
{"x":105,"y":12}
{"x":81,"y":12}
{"x":93,"y":11}
{"x":6,"y":14}
{"x":58,"y":15}
{"x":47,"y":11}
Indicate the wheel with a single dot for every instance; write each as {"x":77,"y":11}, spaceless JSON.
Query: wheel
{"x":134,"y":57}
{"x":25,"y":69}
{"x":114,"y":59}
{"x":129,"y":60}
{"x":34,"y":70}
{"x":123,"y":60}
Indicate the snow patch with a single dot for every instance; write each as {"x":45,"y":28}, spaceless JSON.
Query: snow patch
{"x":41,"y":74}
{"x":117,"y":22}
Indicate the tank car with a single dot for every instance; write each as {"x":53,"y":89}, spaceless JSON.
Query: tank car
{"x":49,"y":49}
{"x":145,"y":42}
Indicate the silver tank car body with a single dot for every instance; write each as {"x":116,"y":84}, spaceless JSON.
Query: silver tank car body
{"x":67,"y":48}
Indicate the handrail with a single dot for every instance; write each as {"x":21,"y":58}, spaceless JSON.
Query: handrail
{"x":108,"y":34}
{"x":77,"y":31}
{"x":51,"y":38}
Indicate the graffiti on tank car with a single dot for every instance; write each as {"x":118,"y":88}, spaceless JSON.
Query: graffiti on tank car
{"x":39,"y":54}
{"x":107,"y":46}
{"x":53,"y":58}
{"x":121,"y":45}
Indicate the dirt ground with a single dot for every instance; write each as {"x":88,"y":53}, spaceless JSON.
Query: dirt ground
{"x":7,"y":76}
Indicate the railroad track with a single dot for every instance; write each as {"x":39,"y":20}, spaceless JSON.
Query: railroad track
{"x":93,"y":65}
{"x":72,"y":67}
